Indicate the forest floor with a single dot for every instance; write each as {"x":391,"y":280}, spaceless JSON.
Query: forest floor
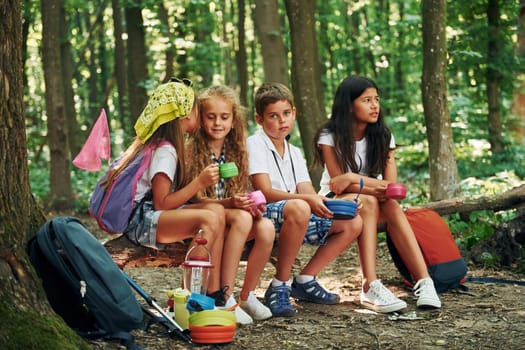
{"x":487,"y":316}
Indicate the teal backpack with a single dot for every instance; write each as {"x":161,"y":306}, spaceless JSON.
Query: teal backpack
{"x":82,"y":282}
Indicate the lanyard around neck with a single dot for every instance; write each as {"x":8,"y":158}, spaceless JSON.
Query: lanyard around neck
{"x":280,"y":171}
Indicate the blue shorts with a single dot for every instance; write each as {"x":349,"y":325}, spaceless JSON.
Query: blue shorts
{"x":142,"y":227}
{"x":318,"y":228}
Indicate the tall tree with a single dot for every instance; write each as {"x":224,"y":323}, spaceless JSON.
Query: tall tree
{"x":75,"y":141}
{"x":518,"y":103}
{"x":269,"y":33}
{"x":165,"y":29}
{"x":240,"y":54}
{"x":26,"y":319}
{"x":442,"y":163}
{"x":494,"y":78}
{"x":137,"y":58}
{"x":61,"y":192}
{"x":119,"y":57}
{"x":306,"y":77}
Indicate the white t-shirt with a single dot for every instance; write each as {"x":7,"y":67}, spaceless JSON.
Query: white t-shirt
{"x":326,"y":138}
{"x":285,"y":173}
{"x":163,"y":160}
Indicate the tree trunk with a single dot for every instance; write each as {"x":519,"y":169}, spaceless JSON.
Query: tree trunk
{"x":226,"y":51}
{"x":27,"y":321}
{"x":518,"y":103}
{"x":73,"y":131}
{"x":120,"y":68}
{"x":240,"y":54}
{"x":170,"y":50}
{"x":494,"y":78}
{"x":273,"y":51}
{"x":137,"y":60}
{"x":61,"y":193}
{"x":306,"y":79}
{"x":443,"y":170}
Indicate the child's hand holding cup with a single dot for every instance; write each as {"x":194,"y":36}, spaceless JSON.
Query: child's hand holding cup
{"x":395,"y":191}
{"x":258,"y":199}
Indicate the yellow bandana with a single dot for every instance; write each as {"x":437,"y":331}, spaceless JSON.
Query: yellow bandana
{"x":169,"y":101}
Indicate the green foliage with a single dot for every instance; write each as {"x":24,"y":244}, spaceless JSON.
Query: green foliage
{"x":476,"y":228}
{"x":83,"y":184}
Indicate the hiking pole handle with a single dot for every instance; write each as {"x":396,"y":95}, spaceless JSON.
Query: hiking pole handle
{"x":139,"y":290}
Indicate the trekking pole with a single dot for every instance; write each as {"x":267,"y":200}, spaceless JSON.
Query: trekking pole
{"x":151,"y":301}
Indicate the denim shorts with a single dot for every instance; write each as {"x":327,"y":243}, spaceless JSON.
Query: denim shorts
{"x":318,"y":228}
{"x":142,"y":227}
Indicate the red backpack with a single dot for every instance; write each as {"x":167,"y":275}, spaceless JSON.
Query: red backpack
{"x":442,"y":256}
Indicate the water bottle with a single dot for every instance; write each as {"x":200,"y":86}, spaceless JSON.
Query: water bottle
{"x":180,"y":297}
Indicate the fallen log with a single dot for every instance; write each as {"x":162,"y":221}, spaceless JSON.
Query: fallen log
{"x":127,"y":254}
{"x":511,"y":199}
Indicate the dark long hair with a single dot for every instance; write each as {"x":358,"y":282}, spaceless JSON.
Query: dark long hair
{"x":340,"y":125}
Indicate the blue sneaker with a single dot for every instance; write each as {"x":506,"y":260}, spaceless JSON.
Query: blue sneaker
{"x":313,"y":292}
{"x":278,"y":300}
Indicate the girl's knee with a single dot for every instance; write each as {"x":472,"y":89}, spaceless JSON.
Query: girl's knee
{"x":265,"y":232}
{"x":369,"y":204}
{"x":391,"y":207}
{"x":240,"y":218}
{"x":214,"y":219}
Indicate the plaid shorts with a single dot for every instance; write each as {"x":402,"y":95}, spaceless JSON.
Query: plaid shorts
{"x":318,"y":228}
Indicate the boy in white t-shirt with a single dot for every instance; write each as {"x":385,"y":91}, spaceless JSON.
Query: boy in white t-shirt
{"x":299,"y":214}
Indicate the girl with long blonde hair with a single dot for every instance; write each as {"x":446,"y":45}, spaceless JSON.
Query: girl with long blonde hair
{"x":220,"y":140}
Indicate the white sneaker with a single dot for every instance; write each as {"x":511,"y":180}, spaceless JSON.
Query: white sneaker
{"x":257,"y":310}
{"x":241,"y":316}
{"x":426,"y":293}
{"x":380,"y":299}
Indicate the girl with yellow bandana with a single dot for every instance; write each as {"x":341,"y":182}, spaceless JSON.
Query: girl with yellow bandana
{"x":163,"y":213}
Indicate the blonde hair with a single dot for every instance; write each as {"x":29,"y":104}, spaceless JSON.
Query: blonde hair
{"x":199,"y":151}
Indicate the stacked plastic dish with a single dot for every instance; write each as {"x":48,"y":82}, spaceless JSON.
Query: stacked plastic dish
{"x":342,"y":209}
{"x":212,"y":326}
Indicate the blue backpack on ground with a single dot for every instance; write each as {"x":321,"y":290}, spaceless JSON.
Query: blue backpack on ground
{"x":82,"y":282}
{"x":112,"y":207}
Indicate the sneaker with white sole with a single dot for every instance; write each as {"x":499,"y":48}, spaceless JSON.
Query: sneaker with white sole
{"x":426,"y":293}
{"x":253,"y":307}
{"x":381,"y":299}
{"x":240,"y":315}
{"x":277,"y":299}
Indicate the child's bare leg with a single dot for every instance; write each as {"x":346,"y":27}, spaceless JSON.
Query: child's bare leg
{"x":179,"y":224}
{"x":403,"y":238}
{"x":263,"y":234}
{"x":367,"y":241}
{"x":343,"y":233}
{"x":238,"y":225}
{"x":296,"y":217}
